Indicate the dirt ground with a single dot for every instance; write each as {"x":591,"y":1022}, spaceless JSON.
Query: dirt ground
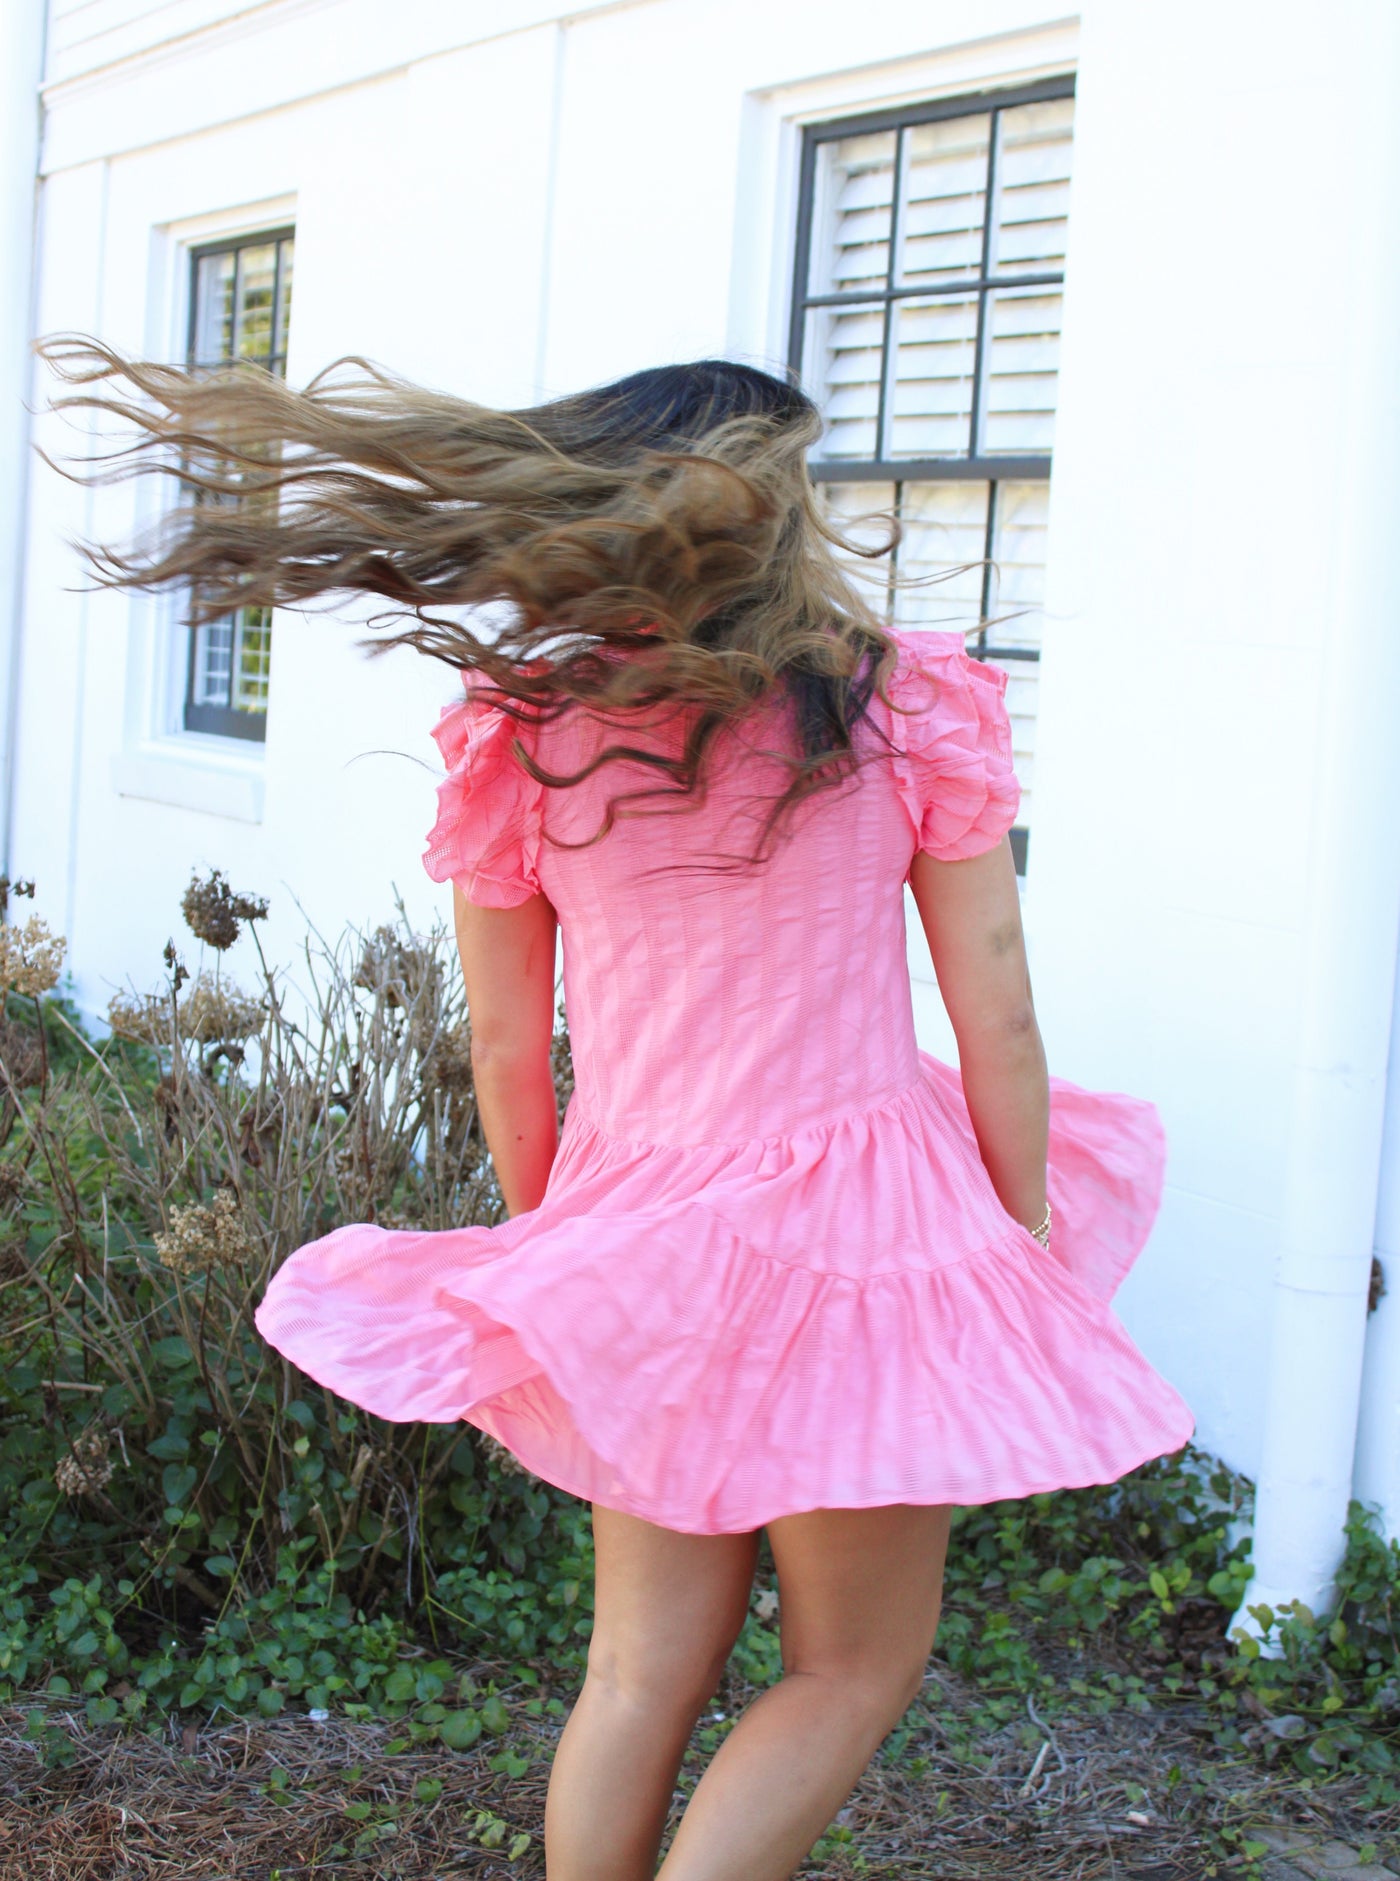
{"x":1131,"y":1796}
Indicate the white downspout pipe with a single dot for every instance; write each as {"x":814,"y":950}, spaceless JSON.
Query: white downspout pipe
{"x":1329,"y":1212}
{"x":1377,"y":1476}
{"x":22,"y":24}
{"x":1348,"y":956}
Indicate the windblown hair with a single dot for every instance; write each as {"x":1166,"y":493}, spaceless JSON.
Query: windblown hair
{"x":655,"y":542}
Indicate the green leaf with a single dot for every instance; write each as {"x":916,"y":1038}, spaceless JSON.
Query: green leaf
{"x":495,"y":1716}
{"x":459,"y":1730}
{"x":1157,"y":1581}
{"x":177,"y":1480}
{"x":270,"y":1701}
{"x":428,"y":1789}
{"x":518,"y":1846}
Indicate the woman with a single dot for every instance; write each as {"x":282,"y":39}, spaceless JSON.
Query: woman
{"x":783,"y":1271}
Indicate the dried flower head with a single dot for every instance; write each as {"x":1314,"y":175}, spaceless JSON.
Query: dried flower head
{"x":85,"y":1465}
{"x":506,"y":1461}
{"x":200,"y":1239}
{"x":8,"y":888}
{"x":31,"y":957}
{"x":179,"y":973}
{"x":13,"y":1181}
{"x":139,"y":1016}
{"x":400,"y":968}
{"x":214,"y":1013}
{"x":449,"y":1064}
{"x":215,"y":914}
{"x":21,"y":1054}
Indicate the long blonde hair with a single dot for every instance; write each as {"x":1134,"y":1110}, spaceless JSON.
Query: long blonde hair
{"x":668,"y":517}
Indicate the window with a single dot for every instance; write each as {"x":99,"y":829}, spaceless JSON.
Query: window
{"x":926,"y":323}
{"x":240,"y":303}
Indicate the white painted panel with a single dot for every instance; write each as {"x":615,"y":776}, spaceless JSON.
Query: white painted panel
{"x":190,"y":63}
{"x":49,"y":843}
{"x":1198,"y":1304}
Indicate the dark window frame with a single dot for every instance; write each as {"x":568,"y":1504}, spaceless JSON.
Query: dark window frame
{"x":973,"y":465}
{"x":224,"y":721}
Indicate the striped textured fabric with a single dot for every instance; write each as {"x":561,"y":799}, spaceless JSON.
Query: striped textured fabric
{"x":769,"y":1273}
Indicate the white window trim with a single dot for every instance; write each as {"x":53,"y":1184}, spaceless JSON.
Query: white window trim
{"x":160,"y":761}
{"x":770,"y":154}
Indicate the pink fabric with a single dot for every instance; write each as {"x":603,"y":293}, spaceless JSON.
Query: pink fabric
{"x":769,"y":1273}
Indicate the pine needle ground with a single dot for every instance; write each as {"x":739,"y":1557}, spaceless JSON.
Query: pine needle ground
{"x":1132,"y":1795}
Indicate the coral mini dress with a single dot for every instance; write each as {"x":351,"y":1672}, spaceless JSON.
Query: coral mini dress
{"x":769,"y":1273}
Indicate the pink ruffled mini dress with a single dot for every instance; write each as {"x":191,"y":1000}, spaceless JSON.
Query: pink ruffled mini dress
{"x":769,"y":1273}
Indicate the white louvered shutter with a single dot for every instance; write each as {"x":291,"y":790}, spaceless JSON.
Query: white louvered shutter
{"x":895,"y":211}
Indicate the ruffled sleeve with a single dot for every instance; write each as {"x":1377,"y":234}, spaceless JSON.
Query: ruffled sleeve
{"x":952,"y":742}
{"x":487,"y":835}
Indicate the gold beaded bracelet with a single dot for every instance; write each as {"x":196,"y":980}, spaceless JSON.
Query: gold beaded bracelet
{"x":1042,"y":1231}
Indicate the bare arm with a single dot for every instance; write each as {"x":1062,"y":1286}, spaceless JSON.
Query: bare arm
{"x":507,"y":959}
{"x":971,"y":913}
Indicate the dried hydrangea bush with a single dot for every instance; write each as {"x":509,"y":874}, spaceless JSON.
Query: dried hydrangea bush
{"x":150,"y":1184}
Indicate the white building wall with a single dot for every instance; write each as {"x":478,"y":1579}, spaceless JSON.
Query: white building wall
{"x":508,"y":205}
{"x":1214,"y":440}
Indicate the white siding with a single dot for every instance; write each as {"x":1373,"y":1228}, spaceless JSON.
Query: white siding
{"x":85,"y":35}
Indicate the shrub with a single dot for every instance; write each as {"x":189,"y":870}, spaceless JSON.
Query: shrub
{"x":187,"y":1517}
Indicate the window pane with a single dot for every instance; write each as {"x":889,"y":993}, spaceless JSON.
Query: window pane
{"x":1022,"y":367}
{"x":862,"y":512}
{"x":213,"y":309}
{"x":1017,"y":587}
{"x":941,"y":549}
{"x":284,"y":299}
{"x":242,"y":307}
{"x":213,"y":663}
{"x":841,"y":367}
{"x":1015,"y":611}
{"x":944,"y":200}
{"x":932,"y":358}
{"x":254,"y":661}
{"x":257,"y":270}
{"x":1033,"y":186}
{"x":851,"y":214}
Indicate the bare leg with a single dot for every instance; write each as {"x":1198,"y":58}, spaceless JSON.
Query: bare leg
{"x":860,"y":1592}
{"x":669,"y":1608}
